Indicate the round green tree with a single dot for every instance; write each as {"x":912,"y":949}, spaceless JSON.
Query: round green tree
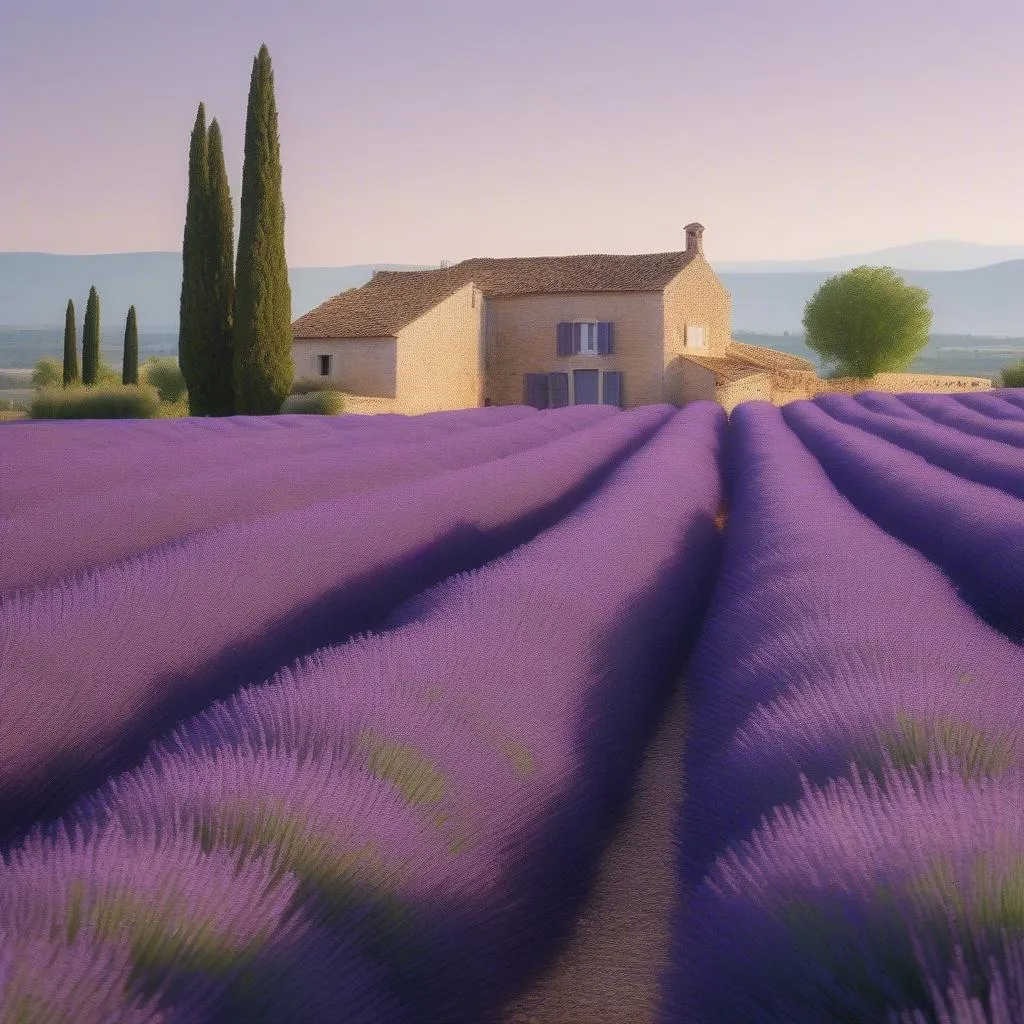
{"x":867,"y":321}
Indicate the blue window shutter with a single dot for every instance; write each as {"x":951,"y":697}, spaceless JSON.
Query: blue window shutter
{"x":604,"y":338}
{"x":612,"y":388}
{"x":535,"y":387}
{"x":577,"y":338}
{"x":564,"y":335}
{"x":558,"y":389}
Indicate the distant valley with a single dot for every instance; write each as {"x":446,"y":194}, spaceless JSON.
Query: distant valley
{"x":978,"y":323}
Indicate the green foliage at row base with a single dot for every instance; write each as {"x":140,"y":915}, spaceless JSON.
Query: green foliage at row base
{"x":101,"y":402}
{"x":165,"y":375}
{"x":318,"y":403}
{"x":1012,"y":376}
{"x":304,"y":385}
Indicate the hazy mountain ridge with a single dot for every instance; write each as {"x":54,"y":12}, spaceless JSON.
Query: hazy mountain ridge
{"x":767,"y":297}
{"x":939,"y":254}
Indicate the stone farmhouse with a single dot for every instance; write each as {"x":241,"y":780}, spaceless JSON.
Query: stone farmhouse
{"x":550,"y":331}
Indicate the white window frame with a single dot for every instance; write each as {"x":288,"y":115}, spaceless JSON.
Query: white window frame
{"x":319,"y":364}
{"x":588,"y":337}
{"x":695,"y":333}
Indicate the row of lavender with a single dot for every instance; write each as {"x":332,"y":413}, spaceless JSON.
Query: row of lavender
{"x":93,"y":666}
{"x":399,"y":828}
{"x":959,"y":490}
{"x":853,"y":839}
{"x":122,"y":505}
{"x":43,"y":461}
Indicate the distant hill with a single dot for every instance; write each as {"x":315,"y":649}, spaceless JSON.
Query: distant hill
{"x":940,"y":254}
{"x":989,"y":300}
{"x":35,"y":287}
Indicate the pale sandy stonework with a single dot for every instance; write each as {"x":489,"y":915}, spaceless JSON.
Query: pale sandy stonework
{"x":468,"y":335}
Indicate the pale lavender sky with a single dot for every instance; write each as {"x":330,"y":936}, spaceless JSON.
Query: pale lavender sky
{"x":419,"y":130}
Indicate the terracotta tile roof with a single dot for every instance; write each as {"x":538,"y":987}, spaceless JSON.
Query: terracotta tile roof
{"x":724,"y":368}
{"x":378,"y":309}
{"x":394,"y":298}
{"x":769,"y":358}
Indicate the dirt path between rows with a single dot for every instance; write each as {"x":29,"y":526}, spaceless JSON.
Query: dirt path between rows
{"x":609,"y":971}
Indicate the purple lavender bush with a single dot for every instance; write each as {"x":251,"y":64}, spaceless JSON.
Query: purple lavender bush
{"x":898,"y":901}
{"x":998,"y":404}
{"x":943,"y":409}
{"x":92,"y":668}
{"x":974,"y":533}
{"x":847,"y":699}
{"x":1012,"y":395}
{"x":109,"y":927}
{"x":438,"y":793}
{"x":841,"y":662}
{"x":984,"y":461}
{"x":41,"y":471}
{"x":883,"y":401}
{"x":40,"y":549}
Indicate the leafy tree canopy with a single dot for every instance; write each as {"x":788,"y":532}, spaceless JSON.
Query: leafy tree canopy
{"x":867,"y":321}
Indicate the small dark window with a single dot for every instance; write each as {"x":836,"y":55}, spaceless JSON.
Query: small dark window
{"x":325,"y":366}
{"x":487,"y":401}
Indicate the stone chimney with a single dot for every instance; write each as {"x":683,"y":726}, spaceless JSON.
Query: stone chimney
{"x":694,"y":234}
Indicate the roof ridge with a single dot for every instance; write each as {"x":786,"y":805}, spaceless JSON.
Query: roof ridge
{"x":391,"y":299}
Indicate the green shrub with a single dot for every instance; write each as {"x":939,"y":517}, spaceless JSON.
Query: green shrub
{"x":319,"y":403}
{"x":173,"y":410}
{"x":306,"y":385}
{"x":165,"y":375}
{"x":1012,"y":376}
{"x":48,"y":373}
{"x":97,"y":402}
{"x":107,"y":376}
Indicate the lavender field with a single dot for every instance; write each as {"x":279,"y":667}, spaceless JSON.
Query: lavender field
{"x":316,"y":719}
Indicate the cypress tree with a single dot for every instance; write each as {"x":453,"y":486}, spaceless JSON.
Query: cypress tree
{"x":70,"y":346}
{"x":218,"y":397}
{"x":91,"y":338}
{"x":263,"y":338}
{"x":130,"y":367}
{"x":192,"y":323}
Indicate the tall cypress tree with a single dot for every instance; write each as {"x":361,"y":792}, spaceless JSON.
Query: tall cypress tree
{"x":193,"y":316}
{"x":70,"y":346}
{"x":263,"y":336}
{"x":219,"y":390}
{"x":91,"y":338}
{"x":130,"y":366}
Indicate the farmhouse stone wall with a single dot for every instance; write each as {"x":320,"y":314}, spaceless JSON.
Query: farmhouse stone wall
{"x":755,"y":387}
{"x":791,"y":386}
{"x":696,"y":296}
{"x":906,"y":382}
{"x":687,"y":382}
{"x":521,"y":338}
{"x":363,"y":366}
{"x":440,"y":356}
